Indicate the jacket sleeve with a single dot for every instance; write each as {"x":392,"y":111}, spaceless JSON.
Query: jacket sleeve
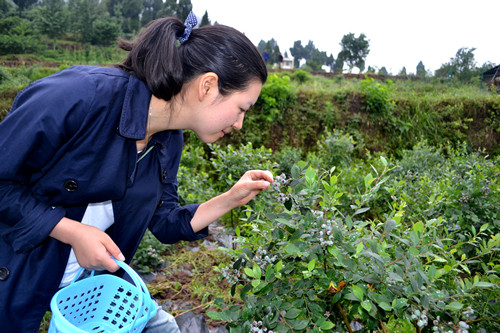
{"x":41,"y":122}
{"x":171,"y":222}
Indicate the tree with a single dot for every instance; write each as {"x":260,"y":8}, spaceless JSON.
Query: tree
{"x":309,"y":50}
{"x":205,"y":20}
{"x":24,"y":4}
{"x":445,"y":71}
{"x":462,"y":67}
{"x":297,"y":52}
{"x":272,"y":48}
{"x":183,"y":9}
{"x":464,"y":63}
{"x":18,"y":36}
{"x":318,"y":59}
{"x":300,"y":52}
{"x":330,"y":62}
{"x":83,"y":13}
{"x":151,"y":10}
{"x":402,"y":72}
{"x":131,"y":9}
{"x":421,"y":69}
{"x":105,"y":30}
{"x":354,"y":50}
{"x":5,"y":8}
{"x":382,"y":71}
{"x":51,"y":18}
{"x":169,"y":8}
{"x":338,"y":66}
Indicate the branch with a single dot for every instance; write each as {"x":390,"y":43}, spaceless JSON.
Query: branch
{"x":346,"y":321}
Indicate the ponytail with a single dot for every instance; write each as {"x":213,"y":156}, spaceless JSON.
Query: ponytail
{"x":156,"y":57}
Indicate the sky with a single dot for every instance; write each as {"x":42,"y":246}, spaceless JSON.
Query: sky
{"x":401,"y":33}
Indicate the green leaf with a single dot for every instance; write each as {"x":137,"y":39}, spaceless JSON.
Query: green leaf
{"x":359,"y":248}
{"x":414,"y":251}
{"x":269,"y":273}
{"x":214,"y":315}
{"x":295,"y":171}
{"x":292,"y":314}
{"x":348,"y":222}
{"x":361,"y":210}
{"x":278,"y":266}
{"x":389,"y":225}
{"x":257,"y":273}
{"x":310,"y":175}
{"x":282,"y":328}
{"x":291,"y":249}
{"x":418,"y":227}
{"x":255,"y":283}
{"x":483,"y":227}
{"x":367,"y":305}
{"x":299,"y":324}
{"x":248,"y":272}
{"x":358,"y":292}
{"x":483,"y":285}
{"x":326,"y":325}
{"x":384,"y":161}
{"x":386,"y":306}
{"x":454,"y":306}
{"x":399,"y":303}
{"x":368,"y":180}
{"x":311,"y":265}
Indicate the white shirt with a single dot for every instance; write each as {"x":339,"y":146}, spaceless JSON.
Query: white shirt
{"x":99,"y":215}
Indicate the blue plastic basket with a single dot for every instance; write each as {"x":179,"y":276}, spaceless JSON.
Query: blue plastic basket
{"x":102,"y":304}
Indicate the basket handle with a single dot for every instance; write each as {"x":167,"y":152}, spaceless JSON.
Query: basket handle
{"x":141,"y":286}
{"x":143,"y":290}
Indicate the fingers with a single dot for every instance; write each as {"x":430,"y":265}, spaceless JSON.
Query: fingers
{"x":94,"y":248}
{"x":260,"y":175}
{"x":112,"y":251}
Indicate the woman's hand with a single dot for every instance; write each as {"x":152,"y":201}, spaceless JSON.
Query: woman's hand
{"x":250,"y":184}
{"x":93,"y":247}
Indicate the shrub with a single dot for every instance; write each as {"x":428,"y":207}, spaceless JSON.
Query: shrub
{"x":230,"y":163}
{"x":276,"y":96}
{"x":194,"y":177}
{"x":377,"y":97}
{"x":311,"y":265}
{"x":301,"y":76}
{"x":18,"y":36}
{"x":334,"y":149}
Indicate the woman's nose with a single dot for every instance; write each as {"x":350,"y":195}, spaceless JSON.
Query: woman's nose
{"x":239,"y":122}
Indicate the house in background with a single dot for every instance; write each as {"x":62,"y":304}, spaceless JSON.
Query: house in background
{"x":491,"y":77}
{"x":287,"y":63}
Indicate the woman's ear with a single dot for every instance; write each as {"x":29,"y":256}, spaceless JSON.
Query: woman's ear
{"x":208,"y":84}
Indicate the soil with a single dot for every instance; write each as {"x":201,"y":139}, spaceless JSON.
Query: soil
{"x":171,"y":288}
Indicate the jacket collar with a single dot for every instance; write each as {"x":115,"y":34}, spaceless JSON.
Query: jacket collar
{"x":134,"y":115}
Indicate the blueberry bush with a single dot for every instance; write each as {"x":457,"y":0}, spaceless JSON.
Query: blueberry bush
{"x":320,"y":260}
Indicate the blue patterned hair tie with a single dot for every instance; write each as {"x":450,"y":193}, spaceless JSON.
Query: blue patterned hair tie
{"x":190,"y":23}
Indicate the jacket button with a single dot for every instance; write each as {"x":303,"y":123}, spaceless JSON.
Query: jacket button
{"x":4,"y":273}
{"x":165,"y":174}
{"x":70,"y":185}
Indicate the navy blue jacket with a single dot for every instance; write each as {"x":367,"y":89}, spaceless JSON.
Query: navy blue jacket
{"x":70,"y":140}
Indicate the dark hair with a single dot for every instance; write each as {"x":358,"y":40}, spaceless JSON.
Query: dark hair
{"x":156,"y":57}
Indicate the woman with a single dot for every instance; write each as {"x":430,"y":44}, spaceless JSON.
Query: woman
{"x":91,"y":156}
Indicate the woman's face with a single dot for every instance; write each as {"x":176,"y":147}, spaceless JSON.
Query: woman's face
{"x":222,"y":114}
